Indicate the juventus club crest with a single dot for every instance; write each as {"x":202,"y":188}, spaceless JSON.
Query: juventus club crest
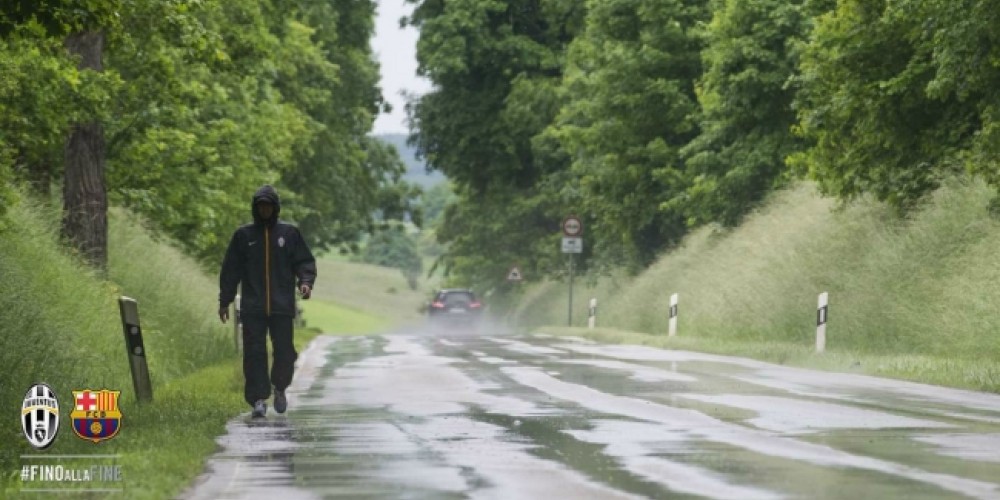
{"x":40,"y":416}
{"x":96,"y":416}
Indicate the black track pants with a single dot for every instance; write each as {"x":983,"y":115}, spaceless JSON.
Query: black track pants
{"x":255,"y":330}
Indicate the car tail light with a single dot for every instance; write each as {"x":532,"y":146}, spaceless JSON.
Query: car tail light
{"x":475,"y":305}
{"x":438,"y":305}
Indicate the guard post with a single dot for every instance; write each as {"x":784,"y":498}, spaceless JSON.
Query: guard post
{"x":672,"y":327}
{"x":135,"y":349}
{"x":592,"y":314}
{"x":821,"y":313}
{"x":237,"y":325}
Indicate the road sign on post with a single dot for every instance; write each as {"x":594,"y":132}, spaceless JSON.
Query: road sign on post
{"x":572,"y":226}
{"x":572,"y":244}
{"x":514,"y":274}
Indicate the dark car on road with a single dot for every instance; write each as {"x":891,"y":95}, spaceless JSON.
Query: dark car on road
{"x":454,"y":305}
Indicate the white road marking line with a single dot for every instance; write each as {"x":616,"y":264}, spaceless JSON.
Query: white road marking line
{"x":796,"y":416}
{"x":782,"y":376}
{"x":510,"y":470}
{"x":711,"y":429}
{"x":978,"y":447}
{"x":637,"y":446}
{"x":526,"y":348}
{"x":641,"y":373}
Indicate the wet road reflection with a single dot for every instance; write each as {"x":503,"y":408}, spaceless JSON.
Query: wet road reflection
{"x":480,"y":416}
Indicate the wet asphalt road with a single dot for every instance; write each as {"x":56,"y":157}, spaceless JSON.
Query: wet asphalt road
{"x":511,"y":417}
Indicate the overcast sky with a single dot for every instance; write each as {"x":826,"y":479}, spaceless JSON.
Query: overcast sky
{"x":396,"y":52}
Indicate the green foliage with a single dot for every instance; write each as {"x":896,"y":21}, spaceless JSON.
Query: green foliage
{"x":631,"y":107}
{"x":898,"y":95}
{"x":341,"y":177}
{"x":393,"y":247}
{"x":497,"y":67}
{"x":919,"y":292}
{"x":62,"y":321}
{"x":41,"y":94}
{"x":203,"y":101}
{"x":489,"y":232}
{"x":434,"y":201}
{"x":745,"y":95}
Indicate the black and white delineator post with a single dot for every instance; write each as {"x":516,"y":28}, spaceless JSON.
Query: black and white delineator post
{"x":821,"y":315}
{"x":673,"y":315}
{"x":237,"y":325}
{"x":592,"y":314}
{"x":136,"y":350}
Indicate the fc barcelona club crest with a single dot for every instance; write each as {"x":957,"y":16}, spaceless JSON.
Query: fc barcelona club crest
{"x":95,"y":415}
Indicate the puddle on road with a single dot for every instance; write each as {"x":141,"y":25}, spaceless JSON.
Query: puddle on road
{"x":642,"y":448}
{"x":363,"y":453}
{"x":553,"y":441}
{"x":710,"y":429}
{"x":403,"y":416}
{"x":423,"y":440}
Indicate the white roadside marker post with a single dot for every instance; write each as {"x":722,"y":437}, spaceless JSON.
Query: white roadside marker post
{"x":673,"y":315}
{"x":592,"y":316}
{"x":821,"y":316}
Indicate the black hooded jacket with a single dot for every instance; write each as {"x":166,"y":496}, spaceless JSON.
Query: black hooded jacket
{"x":266,"y":257}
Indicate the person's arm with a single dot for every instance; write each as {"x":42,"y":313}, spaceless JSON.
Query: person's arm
{"x":229,"y":276}
{"x":304,"y":265}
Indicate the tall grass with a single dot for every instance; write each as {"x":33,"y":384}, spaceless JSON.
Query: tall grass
{"x":376,"y":290}
{"x":178,"y":300}
{"x":59,"y":324}
{"x":59,"y":321}
{"x":926,"y":285}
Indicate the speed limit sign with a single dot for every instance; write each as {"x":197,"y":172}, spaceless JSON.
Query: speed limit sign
{"x":572,"y":226}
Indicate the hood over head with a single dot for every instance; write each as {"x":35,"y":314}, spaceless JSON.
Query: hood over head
{"x":269,"y":194}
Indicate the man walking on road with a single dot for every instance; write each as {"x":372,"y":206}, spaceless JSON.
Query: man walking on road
{"x":266,"y":257}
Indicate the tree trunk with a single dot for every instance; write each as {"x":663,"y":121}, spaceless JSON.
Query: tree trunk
{"x":85,"y":197}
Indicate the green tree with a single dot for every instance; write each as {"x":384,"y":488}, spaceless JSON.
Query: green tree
{"x":897,"y":95}
{"x":631,"y":107}
{"x":393,"y":247}
{"x":83,"y":31}
{"x":434,"y":201}
{"x":201,"y":102}
{"x":343,"y":180}
{"x":200,"y":123}
{"x":746,"y":92}
{"x":496,"y":66}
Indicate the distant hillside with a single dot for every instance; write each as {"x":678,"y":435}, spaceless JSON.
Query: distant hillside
{"x":416,"y":171}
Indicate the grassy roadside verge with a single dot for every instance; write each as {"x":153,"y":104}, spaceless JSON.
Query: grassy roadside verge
{"x":163,"y":445}
{"x":915,"y":298}
{"x":59,"y":324}
{"x":333,"y":318}
{"x":975,"y":374}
